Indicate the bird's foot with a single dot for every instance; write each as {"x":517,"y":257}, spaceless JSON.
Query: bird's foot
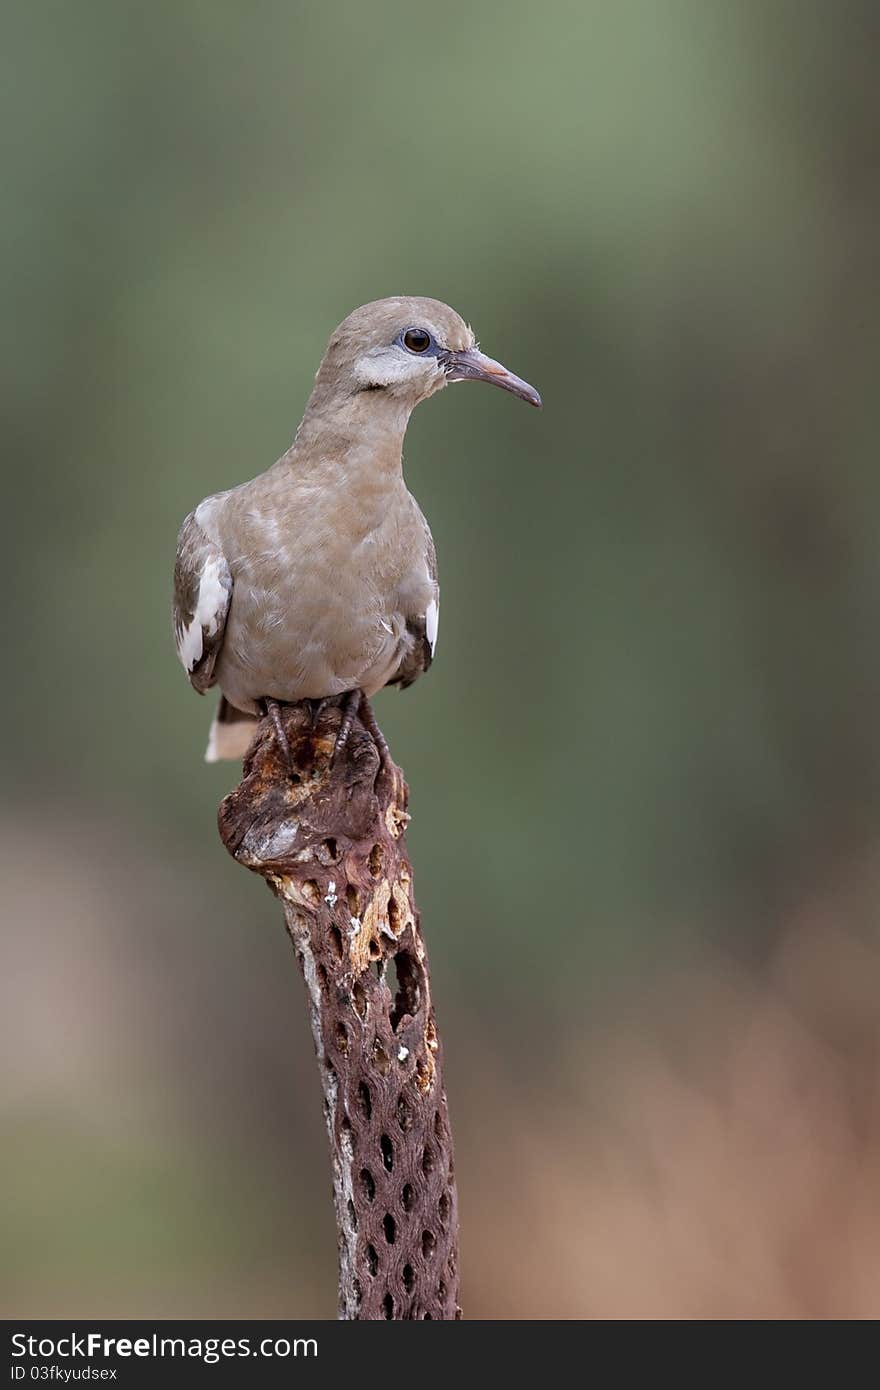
{"x":350,"y":707}
{"x":371,"y":724}
{"x":356,"y":703}
{"x":316,"y":709}
{"x":273,"y":709}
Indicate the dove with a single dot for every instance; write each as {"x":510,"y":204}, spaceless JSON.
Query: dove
{"x":318,"y":578}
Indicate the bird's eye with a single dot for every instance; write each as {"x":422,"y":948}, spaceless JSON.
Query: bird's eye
{"x":416,"y":340}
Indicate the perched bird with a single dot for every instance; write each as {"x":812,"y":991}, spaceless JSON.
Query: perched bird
{"x":318,"y":578}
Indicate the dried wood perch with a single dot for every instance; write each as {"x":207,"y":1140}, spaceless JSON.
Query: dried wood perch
{"x":330,"y":843}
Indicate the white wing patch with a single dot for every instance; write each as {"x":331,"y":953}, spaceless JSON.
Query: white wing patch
{"x":210,"y":608}
{"x":432,"y":623}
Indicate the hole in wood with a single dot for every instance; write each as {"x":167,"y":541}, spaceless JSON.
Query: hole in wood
{"x":359,"y":998}
{"x":409,"y":1278}
{"x":444,"y":1207}
{"x":342,"y":1038}
{"x":372,"y":1260}
{"x":428,"y":1163}
{"x":429,"y":1244}
{"x":352,"y":1214}
{"x":388,"y":1307}
{"x":336,"y":941}
{"x":368,"y":1183}
{"x":389,"y":1226}
{"x":375,"y":949}
{"x":331,"y":850}
{"x":352,"y":900}
{"x":365,"y":1100}
{"x":404,"y":1114}
{"x":394,"y":915}
{"x":391,"y":977}
{"x":376,"y":860}
{"x":408,"y":987}
{"x":310,"y":891}
{"x":381,"y":1060}
{"x":408,"y":1197}
{"x":387,"y":1152}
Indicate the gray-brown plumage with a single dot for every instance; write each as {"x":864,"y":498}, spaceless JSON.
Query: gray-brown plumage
{"x":319,"y":576}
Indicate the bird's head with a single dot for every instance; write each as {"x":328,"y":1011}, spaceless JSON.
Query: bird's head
{"x":408,"y":348}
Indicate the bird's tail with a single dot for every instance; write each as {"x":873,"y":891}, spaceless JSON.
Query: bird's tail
{"x":231,"y":732}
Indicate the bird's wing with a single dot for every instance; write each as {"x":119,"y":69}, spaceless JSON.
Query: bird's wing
{"x":432,"y":616}
{"x":422,"y":627}
{"x":202,"y":593}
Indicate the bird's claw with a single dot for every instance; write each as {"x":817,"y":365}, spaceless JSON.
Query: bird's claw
{"x":273,"y":709}
{"x":356,"y":703}
{"x":350,"y":707}
{"x":387,"y":768}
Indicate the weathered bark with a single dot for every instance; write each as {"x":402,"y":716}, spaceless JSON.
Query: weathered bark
{"x":330,"y":843}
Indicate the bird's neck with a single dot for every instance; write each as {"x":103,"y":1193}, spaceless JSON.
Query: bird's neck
{"x":361,"y":433}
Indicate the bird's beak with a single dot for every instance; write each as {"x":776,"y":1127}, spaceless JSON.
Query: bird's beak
{"x":474,"y":365}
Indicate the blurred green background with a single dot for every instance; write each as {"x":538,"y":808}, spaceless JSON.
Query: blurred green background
{"x":645,"y":768}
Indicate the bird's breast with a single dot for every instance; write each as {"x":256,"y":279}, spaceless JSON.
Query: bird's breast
{"x":320,"y":598}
